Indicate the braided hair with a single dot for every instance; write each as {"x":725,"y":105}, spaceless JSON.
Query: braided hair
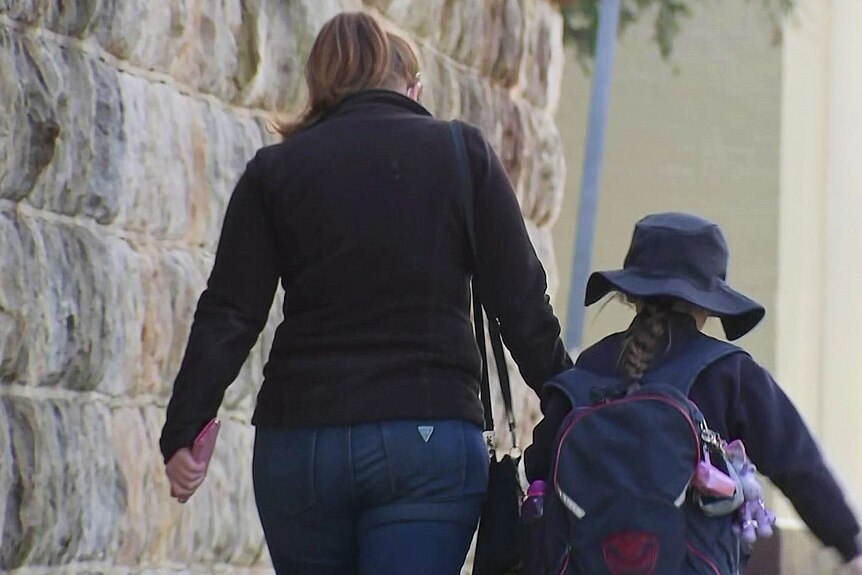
{"x":643,"y":337}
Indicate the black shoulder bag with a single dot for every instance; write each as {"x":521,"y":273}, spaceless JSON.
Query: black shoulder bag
{"x":500,"y":537}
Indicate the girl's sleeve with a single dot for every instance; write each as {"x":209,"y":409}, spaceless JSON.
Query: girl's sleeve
{"x":539,"y":455}
{"x":782,"y":447}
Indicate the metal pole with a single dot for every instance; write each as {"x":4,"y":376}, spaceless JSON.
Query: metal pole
{"x":609,"y":16}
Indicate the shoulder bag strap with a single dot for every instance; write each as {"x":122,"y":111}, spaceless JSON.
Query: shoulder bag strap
{"x":466,"y":187}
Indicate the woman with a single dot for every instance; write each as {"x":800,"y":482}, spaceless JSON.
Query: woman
{"x":369,"y":456}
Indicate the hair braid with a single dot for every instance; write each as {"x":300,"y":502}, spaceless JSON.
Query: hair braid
{"x":643,"y":337}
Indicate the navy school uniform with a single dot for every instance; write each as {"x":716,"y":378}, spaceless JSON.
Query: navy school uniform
{"x":740,"y":400}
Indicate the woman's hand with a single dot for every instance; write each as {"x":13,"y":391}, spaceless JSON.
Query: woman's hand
{"x":185,"y":474}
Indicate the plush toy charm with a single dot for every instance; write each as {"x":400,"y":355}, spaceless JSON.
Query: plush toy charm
{"x":755,"y":520}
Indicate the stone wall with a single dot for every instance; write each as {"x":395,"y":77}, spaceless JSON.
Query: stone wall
{"x":123,"y":126}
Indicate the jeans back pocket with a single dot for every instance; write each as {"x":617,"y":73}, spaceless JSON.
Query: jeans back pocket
{"x":424,"y":468}
{"x":435,"y":458}
{"x":283,"y":469}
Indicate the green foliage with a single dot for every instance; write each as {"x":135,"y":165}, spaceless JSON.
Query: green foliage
{"x":581,"y":18}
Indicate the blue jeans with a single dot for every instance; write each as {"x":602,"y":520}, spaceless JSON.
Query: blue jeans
{"x":377,"y":499}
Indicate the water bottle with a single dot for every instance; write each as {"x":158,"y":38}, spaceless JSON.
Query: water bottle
{"x":533,"y":506}
{"x":532,"y":511}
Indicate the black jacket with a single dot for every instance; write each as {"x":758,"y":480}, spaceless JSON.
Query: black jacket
{"x":739,"y":400}
{"x":361,"y":219}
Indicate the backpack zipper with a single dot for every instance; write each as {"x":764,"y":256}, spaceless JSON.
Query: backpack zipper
{"x":565,"y":566}
{"x":702,"y":556}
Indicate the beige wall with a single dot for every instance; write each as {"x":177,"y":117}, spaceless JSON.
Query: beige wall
{"x":699,"y":133}
{"x":818,"y":347}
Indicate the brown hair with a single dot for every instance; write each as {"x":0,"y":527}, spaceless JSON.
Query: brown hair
{"x":404,"y":65}
{"x":646,"y":332}
{"x":351,"y":53}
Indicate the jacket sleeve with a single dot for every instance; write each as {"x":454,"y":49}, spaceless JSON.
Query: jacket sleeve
{"x":539,"y":455}
{"x":230,"y":314}
{"x":509,"y":275}
{"x":781,"y":445}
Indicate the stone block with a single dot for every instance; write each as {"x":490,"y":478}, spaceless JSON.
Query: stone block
{"x":24,"y":11}
{"x":67,"y":18}
{"x":424,"y":20}
{"x":66,"y":120}
{"x":172,"y":281}
{"x":277,"y":40}
{"x":182,"y":158}
{"x":66,"y":496}
{"x":476,"y":107}
{"x":546,"y":170}
{"x":78,"y":314}
{"x":541,"y":72}
{"x":8,"y":473}
{"x":468,"y":29}
{"x":513,"y":130}
{"x":164,"y":146}
{"x":226,"y":143}
{"x":513,"y":43}
{"x":28,"y":120}
{"x":134,"y":434}
{"x":70,"y":18}
{"x":543,"y":242}
{"x":65,"y":274}
{"x":506,"y":64}
{"x":13,"y":297}
{"x":441,"y":93}
{"x":207,"y":53}
{"x":479,"y":34}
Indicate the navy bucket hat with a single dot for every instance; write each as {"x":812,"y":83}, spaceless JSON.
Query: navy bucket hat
{"x":682,"y":256}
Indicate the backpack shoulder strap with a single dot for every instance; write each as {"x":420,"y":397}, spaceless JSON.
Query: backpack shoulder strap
{"x":577,"y":384}
{"x":683,"y":370}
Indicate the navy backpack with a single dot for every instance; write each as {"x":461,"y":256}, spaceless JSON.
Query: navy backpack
{"x":619,"y":500}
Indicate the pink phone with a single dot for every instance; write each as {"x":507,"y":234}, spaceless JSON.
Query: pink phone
{"x":204,"y":444}
{"x":712,"y":481}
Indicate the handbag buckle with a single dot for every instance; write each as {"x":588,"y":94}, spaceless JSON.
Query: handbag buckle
{"x":490,"y":441}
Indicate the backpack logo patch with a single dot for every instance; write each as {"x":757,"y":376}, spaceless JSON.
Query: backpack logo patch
{"x":631,"y":553}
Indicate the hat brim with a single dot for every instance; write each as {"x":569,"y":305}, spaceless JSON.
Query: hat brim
{"x":738,"y":313}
